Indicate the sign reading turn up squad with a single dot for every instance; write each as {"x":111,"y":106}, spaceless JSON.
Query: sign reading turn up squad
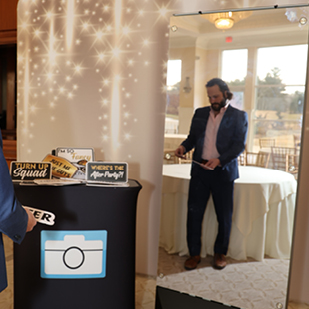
{"x":23,"y":171}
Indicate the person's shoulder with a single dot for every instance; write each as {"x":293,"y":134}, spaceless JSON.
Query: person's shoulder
{"x":203,"y":107}
{"x":202,"y":110}
{"x":236,"y":110}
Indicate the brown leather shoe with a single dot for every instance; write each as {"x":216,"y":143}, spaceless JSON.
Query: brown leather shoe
{"x":219,"y":261}
{"x":192,"y":262}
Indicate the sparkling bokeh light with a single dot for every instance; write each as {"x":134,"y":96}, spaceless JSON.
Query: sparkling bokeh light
{"x":64,"y":43}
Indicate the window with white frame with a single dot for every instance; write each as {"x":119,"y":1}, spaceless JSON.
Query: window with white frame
{"x":173,"y":80}
{"x":234,"y":72}
{"x":279,"y":93}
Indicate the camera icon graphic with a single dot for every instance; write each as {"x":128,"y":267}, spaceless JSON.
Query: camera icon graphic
{"x":73,"y":254}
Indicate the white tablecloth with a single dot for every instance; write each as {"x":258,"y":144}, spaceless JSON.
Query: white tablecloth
{"x":264,"y":202}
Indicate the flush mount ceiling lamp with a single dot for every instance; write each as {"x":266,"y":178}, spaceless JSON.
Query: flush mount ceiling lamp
{"x":226,"y":20}
{"x":224,"y":23}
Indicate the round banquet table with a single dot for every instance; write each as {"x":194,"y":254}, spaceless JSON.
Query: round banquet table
{"x":264,"y":204}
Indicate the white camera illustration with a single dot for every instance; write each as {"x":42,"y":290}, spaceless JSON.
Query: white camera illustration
{"x":73,"y":256}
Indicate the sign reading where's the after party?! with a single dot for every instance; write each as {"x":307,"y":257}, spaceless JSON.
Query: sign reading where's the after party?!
{"x":102,"y":172}
{"x":29,"y":171}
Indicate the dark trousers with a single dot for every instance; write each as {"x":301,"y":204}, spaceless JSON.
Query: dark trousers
{"x":203,"y":183}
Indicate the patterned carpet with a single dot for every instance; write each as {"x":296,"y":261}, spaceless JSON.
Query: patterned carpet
{"x":253,"y":285}
{"x":243,"y":284}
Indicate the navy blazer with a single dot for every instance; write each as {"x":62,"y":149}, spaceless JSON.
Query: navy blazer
{"x":13,"y":218}
{"x":231,"y":138}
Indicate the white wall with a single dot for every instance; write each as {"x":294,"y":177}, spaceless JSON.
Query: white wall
{"x":95,"y":78}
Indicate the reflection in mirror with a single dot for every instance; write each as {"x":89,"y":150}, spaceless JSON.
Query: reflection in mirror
{"x":262,"y":55}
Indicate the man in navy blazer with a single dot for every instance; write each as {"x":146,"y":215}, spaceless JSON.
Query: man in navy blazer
{"x":218,"y":135}
{"x":15,"y":221}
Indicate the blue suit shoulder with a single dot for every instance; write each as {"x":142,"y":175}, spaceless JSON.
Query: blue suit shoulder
{"x":236,"y":110}
{"x":200,"y":111}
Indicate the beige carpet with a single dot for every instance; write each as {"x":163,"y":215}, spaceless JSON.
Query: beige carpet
{"x":252,"y":285}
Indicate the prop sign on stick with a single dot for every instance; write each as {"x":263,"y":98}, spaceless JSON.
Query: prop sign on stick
{"x":42,"y":216}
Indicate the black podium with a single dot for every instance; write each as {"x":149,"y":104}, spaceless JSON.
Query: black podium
{"x":87,"y":258}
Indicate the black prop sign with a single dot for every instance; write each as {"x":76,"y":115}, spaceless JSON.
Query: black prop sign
{"x":29,"y":171}
{"x":107,"y":172}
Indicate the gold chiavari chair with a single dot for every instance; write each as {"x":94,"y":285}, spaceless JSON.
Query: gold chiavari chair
{"x":297,"y":140}
{"x":242,"y":159}
{"x":292,"y":163}
{"x":169,"y":157}
{"x":187,"y":158}
{"x":266,"y":142}
{"x":279,"y":156}
{"x":260,"y":159}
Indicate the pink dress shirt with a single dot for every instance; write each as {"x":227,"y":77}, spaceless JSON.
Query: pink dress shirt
{"x":209,"y":149}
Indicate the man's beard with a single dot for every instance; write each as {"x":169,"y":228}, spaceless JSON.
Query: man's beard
{"x":217,"y":106}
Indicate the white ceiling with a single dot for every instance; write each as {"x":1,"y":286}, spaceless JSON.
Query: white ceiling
{"x":262,"y":28}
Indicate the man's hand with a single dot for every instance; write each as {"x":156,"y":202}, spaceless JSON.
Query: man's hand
{"x":31,"y":220}
{"x":211,"y":164}
{"x":179,"y":152}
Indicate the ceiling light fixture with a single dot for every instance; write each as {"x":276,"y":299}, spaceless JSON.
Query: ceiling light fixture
{"x":226,"y":20}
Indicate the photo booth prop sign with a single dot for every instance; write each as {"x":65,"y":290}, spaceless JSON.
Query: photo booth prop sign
{"x":76,"y":155}
{"x":99,"y":172}
{"x":42,"y":216}
{"x":61,"y":167}
{"x":29,"y":171}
